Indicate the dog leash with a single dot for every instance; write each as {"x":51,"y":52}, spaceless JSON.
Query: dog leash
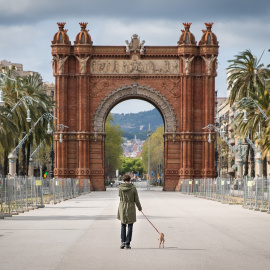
{"x":151,"y":223}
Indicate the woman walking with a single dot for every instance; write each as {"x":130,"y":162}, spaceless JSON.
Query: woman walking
{"x":126,"y":211}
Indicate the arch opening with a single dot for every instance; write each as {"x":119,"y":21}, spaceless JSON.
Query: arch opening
{"x":134,"y":123}
{"x":136,"y":91}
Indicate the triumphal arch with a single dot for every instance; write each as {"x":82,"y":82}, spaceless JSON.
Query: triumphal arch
{"x":178,"y":80}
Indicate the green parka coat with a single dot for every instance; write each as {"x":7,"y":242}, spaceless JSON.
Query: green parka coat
{"x":128,"y":198}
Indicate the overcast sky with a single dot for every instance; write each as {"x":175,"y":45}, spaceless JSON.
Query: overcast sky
{"x":27,"y":28}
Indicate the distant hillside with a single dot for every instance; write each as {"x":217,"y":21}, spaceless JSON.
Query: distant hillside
{"x":138,"y":123}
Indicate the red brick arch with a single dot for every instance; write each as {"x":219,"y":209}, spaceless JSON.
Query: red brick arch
{"x":132,"y":92}
{"x":178,"y":80}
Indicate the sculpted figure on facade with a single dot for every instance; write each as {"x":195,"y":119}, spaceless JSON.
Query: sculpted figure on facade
{"x":124,"y":69}
{"x":166,"y":66}
{"x":60,"y":63}
{"x":127,"y":47}
{"x":142,"y":46}
{"x":187,"y":64}
{"x":209,"y":63}
{"x":102,"y":66}
{"x":94,"y":67}
{"x":83,"y":62}
{"x":115,"y":67}
{"x":151,"y":67}
{"x":175,"y":66}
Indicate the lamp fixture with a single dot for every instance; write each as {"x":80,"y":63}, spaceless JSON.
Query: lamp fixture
{"x":245,"y":120}
{"x":49,"y":131}
{"x":61,"y":138}
{"x":209,"y":138}
{"x":28,"y":119}
{"x":2,"y":102}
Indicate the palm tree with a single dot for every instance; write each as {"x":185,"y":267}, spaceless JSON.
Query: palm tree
{"x":7,"y":130}
{"x":13,"y":92}
{"x":246,"y":75}
{"x":33,"y":86}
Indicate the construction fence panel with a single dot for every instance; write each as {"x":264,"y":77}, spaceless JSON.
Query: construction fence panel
{"x":22,"y":193}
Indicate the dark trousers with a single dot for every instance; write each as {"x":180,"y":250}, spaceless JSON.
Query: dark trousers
{"x":126,"y":237}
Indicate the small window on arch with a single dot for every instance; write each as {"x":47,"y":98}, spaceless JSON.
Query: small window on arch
{"x":208,"y":39}
{"x":61,"y":38}
{"x":187,"y":38}
{"x":83,"y":38}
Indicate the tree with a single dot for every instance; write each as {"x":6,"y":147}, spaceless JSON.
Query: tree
{"x":156,"y":150}
{"x":13,"y":92}
{"x":33,"y":87}
{"x":246,"y":75}
{"x":113,"y":148}
{"x":131,"y":165}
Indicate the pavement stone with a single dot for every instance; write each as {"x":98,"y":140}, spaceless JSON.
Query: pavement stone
{"x":83,"y":233}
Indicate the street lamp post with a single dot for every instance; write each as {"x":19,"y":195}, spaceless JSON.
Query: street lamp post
{"x":149,"y":144}
{"x":258,"y":151}
{"x":245,"y":101}
{"x":12,"y":155}
{"x":238,"y":154}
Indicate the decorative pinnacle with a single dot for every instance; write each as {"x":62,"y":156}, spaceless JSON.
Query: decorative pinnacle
{"x":83,"y":25}
{"x":187,"y":26}
{"x":208,"y":26}
{"x":61,"y":25}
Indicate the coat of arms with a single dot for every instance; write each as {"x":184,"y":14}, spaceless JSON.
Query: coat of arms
{"x":135,"y":45}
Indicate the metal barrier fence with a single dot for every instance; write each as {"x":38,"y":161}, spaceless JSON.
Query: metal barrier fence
{"x":19,"y":194}
{"x":252,"y":193}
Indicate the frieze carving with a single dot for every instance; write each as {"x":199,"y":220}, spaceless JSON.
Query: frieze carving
{"x":187,"y":171}
{"x":133,"y":91}
{"x":187,"y":137}
{"x":135,"y":66}
{"x":172,"y":172}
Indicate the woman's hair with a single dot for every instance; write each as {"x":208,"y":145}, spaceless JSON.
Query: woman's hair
{"x":126,"y":178}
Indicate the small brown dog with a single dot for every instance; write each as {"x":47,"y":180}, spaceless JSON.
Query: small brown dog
{"x":161,"y":240}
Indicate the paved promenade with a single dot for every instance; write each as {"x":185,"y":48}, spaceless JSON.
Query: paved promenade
{"x":83,"y":233}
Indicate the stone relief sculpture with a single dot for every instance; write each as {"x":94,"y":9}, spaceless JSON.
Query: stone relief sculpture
{"x":209,"y":63}
{"x":60,"y":63}
{"x":83,"y":62}
{"x":135,"y":65}
{"x":187,"y":63}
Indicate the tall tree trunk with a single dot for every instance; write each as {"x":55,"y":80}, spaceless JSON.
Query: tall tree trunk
{"x":252,"y":163}
{"x":23,"y":160}
{"x":28,"y":157}
{"x":246,"y":160}
{"x":5,"y":163}
{"x":265,"y":167}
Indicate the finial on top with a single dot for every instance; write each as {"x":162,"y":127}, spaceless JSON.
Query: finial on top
{"x":208,"y":25}
{"x":83,"y":25}
{"x":61,"y":25}
{"x":187,"y":26}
